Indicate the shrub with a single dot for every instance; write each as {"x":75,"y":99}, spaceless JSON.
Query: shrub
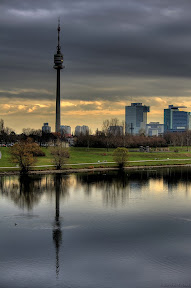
{"x":120,"y":156}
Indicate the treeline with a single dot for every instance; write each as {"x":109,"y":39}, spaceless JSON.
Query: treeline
{"x":134,"y":141}
{"x":129,"y":141}
{"x":103,"y":138}
{"x":8,"y":135}
{"x":178,"y":138}
{"x":37,"y":136}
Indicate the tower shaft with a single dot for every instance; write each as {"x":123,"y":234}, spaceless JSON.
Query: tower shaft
{"x":57,"y":128}
{"x":58,"y":65}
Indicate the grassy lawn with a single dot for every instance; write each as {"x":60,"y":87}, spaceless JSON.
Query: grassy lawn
{"x":5,"y":160}
{"x":84,"y":155}
{"x":96,"y":155}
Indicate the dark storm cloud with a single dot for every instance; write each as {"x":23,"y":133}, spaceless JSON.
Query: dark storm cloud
{"x":106,"y":38}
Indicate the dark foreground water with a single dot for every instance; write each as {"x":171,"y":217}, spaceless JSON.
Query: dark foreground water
{"x":96,"y":230}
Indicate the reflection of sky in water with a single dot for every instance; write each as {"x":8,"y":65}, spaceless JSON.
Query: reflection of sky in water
{"x":96,"y":230}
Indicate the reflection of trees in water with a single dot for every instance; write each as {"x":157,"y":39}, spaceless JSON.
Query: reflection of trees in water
{"x":177,"y":175}
{"x":116,"y":186}
{"x":26,"y":191}
{"x":178,"y":178}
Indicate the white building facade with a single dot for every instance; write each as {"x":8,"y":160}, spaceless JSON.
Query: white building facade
{"x":81,"y":130}
{"x":154,"y":129}
{"x":64,"y":129}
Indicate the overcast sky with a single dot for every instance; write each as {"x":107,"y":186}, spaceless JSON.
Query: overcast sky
{"x":115,"y":53}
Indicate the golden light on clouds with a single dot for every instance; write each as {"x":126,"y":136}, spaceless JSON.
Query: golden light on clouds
{"x":67,"y":104}
{"x":21,"y":107}
{"x":26,"y":113}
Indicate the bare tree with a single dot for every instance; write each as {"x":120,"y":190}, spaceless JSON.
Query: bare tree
{"x":60,"y":155}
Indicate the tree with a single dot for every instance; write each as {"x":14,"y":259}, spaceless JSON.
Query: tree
{"x":60,"y":155}
{"x":114,"y":122}
{"x":23,"y":154}
{"x":28,"y":131}
{"x":1,"y":125}
{"x":120,"y":156}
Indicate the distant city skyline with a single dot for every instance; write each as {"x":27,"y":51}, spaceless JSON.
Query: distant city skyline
{"x":137,"y":120}
{"x":116,"y":53}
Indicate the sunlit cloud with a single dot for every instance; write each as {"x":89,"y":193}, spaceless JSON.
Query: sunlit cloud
{"x":36,"y":13}
{"x":21,"y":107}
{"x":42,"y":105}
{"x":67,"y":104}
{"x":90,"y":102}
{"x":20,"y":91}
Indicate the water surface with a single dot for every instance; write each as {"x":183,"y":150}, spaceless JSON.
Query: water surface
{"x":104,"y":229}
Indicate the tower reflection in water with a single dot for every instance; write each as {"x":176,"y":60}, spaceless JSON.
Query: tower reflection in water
{"x":57,"y":232}
{"x":26,"y":192}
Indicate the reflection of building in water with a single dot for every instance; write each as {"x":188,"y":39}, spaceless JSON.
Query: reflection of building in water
{"x":156,"y":186}
{"x":57,"y":232}
{"x":135,"y":186}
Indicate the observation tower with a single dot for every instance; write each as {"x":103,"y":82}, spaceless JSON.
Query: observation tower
{"x":58,"y":65}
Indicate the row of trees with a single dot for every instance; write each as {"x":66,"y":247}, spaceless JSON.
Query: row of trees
{"x":8,"y":135}
{"x":24,"y":153}
{"x":112,"y":141}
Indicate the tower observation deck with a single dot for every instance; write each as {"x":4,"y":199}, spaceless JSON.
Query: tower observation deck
{"x":58,"y":64}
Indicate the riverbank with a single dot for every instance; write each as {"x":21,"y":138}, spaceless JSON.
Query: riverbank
{"x":85,"y":170}
{"x":99,"y":159}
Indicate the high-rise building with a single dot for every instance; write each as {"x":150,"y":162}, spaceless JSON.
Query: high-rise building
{"x":136,"y":118}
{"x":77,"y":130}
{"x":85,"y":130}
{"x":154,"y":129}
{"x":58,"y":65}
{"x":176,"y":120}
{"x":65,"y":130}
{"x":46,"y":128}
{"x":81,"y":130}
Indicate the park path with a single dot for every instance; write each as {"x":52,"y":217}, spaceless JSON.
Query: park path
{"x":104,"y":162}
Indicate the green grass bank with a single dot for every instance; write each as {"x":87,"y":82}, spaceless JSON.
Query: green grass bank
{"x":101,"y":157}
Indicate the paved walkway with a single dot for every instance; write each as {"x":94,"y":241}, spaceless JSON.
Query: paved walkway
{"x":104,"y":162}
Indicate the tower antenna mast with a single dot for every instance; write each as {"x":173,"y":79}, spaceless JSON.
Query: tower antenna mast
{"x":58,"y":29}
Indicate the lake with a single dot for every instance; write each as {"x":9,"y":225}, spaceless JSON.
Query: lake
{"x":96,"y":229}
